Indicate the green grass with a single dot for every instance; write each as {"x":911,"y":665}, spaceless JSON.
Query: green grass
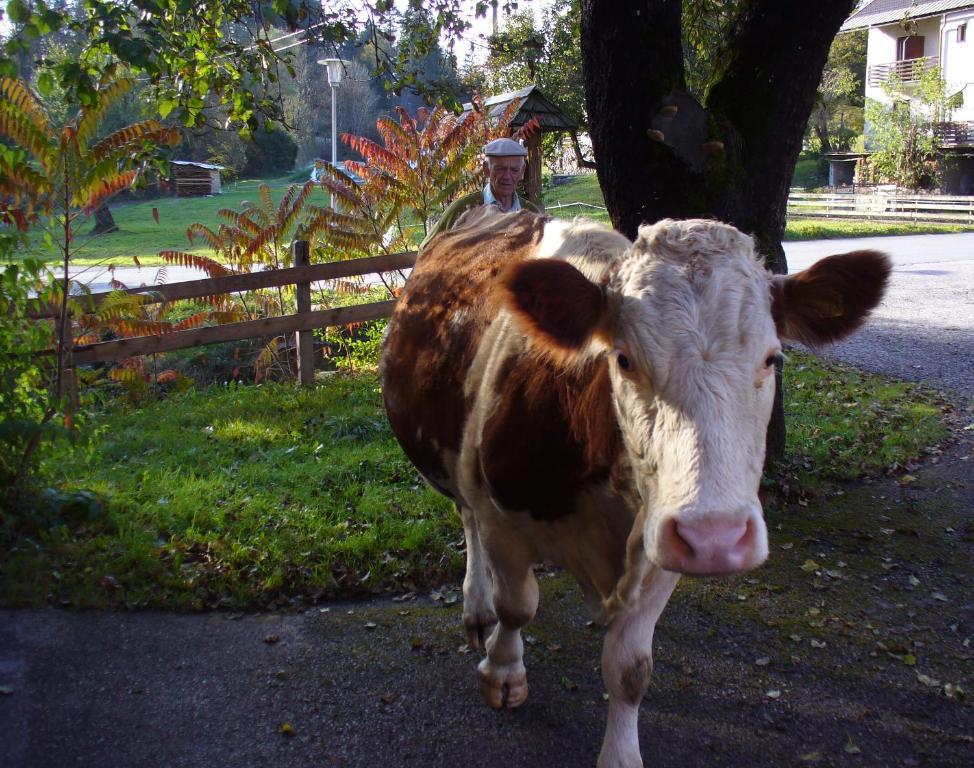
{"x":581,"y":189}
{"x":809,"y":173}
{"x":252,"y":496}
{"x":142,"y":238}
{"x":585,"y":189}
{"x":237,"y":496}
{"x":827,"y":229}
{"x":844,"y":424}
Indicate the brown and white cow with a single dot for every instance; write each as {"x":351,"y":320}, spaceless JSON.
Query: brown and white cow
{"x":603,"y":405}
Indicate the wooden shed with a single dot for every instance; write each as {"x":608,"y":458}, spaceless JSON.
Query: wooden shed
{"x":190,"y":179}
{"x":533,"y":103}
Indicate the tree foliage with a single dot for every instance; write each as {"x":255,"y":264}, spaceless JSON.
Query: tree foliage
{"x":233,"y":50}
{"x":549,"y":56}
{"x":901,"y":134}
{"x":837,"y":116}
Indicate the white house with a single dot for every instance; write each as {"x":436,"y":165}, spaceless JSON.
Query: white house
{"x":907,"y":37}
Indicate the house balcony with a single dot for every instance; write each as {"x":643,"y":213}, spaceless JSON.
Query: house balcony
{"x":954,"y":134}
{"x":906,"y":71}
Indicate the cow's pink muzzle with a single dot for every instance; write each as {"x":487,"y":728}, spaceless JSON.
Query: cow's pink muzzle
{"x":713,"y":547}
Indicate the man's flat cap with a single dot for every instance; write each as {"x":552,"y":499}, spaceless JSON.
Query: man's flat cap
{"x":504,"y":148}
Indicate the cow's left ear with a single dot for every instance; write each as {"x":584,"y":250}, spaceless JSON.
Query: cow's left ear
{"x":830,"y":299}
{"x":555,"y":302}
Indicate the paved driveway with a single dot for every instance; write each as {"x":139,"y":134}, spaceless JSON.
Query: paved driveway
{"x":924,"y":329}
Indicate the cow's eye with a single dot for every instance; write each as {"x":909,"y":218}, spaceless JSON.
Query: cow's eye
{"x":772,"y":360}
{"x":624,"y":363}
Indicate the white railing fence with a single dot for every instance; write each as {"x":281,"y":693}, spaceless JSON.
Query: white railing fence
{"x":889,"y":206}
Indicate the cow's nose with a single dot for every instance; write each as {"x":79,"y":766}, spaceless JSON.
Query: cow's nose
{"x":715,"y":546}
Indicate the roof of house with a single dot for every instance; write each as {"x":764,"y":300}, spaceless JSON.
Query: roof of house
{"x":879,"y":12}
{"x":533,"y":104}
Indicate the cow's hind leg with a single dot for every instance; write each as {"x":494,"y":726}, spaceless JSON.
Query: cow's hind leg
{"x":627,"y":664}
{"x":479,"y":618}
{"x":503,"y":679}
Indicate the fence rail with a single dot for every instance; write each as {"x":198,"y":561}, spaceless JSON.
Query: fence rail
{"x":954,"y":134}
{"x":884,"y":207}
{"x":301,"y":323}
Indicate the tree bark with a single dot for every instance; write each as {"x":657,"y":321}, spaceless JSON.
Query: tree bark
{"x":822,"y":128}
{"x":104,"y":221}
{"x":662,"y":155}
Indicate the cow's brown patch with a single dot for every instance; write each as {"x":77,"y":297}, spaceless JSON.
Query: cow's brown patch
{"x":553,"y":432}
{"x":451,"y":298}
{"x":636,"y":678}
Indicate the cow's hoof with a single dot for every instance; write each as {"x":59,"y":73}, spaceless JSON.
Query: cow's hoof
{"x":506,"y":687}
{"x":478,"y":627}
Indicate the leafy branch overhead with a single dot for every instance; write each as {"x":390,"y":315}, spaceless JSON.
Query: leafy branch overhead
{"x":234,"y":53}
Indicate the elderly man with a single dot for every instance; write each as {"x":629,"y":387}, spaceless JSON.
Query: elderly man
{"x":504,"y":164}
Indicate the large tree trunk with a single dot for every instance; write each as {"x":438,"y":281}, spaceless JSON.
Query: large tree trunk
{"x":660,"y":154}
{"x":104,"y":221}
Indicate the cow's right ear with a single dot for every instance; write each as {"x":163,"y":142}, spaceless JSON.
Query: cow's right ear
{"x":555,"y":302}
{"x":830,"y":299}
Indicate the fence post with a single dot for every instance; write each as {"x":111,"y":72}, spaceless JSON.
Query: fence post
{"x":304,"y":340}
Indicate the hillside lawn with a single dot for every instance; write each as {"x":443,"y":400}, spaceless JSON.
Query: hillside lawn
{"x":257,"y":496}
{"x":140,"y":237}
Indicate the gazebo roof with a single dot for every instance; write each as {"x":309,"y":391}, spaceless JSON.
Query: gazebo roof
{"x":533,"y":104}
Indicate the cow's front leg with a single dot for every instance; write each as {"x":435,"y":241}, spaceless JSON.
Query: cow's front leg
{"x":479,"y":618}
{"x":627,"y":664}
{"x":503,"y":679}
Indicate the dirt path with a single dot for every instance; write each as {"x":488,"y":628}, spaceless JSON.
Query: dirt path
{"x":852,"y":647}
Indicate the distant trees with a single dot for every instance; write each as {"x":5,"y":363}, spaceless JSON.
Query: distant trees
{"x":837,"y":116}
{"x":309,"y":109}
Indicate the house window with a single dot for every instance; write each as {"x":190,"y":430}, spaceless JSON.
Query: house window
{"x":909,"y":47}
{"x":961,"y":33}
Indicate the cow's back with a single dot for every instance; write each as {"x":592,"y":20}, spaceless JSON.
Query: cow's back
{"x":448,"y":303}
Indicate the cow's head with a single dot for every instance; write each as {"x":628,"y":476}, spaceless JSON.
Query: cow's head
{"x":692,"y":325}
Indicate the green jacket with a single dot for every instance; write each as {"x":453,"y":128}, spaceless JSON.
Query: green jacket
{"x":461,"y":204}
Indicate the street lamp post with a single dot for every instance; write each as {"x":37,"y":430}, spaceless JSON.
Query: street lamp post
{"x":336,"y":68}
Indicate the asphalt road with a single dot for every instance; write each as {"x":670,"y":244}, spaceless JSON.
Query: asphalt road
{"x":924,"y":329}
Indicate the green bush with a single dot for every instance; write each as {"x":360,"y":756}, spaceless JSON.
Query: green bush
{"x":27,"y":418}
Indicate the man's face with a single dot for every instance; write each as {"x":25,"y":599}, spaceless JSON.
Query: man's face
{"x":504,"y":173}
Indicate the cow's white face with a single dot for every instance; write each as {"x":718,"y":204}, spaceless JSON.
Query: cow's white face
{"x":691,"y":323}
{"x":693,"y":377}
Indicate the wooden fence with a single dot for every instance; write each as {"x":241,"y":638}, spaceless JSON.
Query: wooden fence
{"x":302,"y":323}
{"x":883,"y":206}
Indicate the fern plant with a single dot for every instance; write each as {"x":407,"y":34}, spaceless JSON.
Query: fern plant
{"x":126,"y":315}
{"x":54,"y":177}
{"x":260,"y":234}
{"x":426,"y":156}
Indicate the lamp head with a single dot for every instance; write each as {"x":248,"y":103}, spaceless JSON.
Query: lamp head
{"x":336,"y":68}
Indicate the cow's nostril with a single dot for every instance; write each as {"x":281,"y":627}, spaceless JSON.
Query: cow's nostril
{"x":676,"y":543}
